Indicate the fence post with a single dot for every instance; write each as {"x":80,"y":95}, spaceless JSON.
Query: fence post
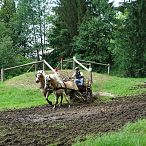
{"x":90,"y":69}
{"x":43,"y":66}
{"x":61,"y":63}
{"x":2,"y":74}
{"x":108,"y":69}
{"x":74,"y":65}
{"x":35,"y":67}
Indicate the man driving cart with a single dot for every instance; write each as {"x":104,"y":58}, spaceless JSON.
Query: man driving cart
{"x":79,"y":77}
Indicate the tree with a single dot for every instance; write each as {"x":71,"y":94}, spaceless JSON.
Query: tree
{"x":68,"y":16}
{"x":95,"y":32}
{"x":130,"y":37}
{"x":30,"y":24}
{"x":7,"y":52}
{"x":7,"y":10}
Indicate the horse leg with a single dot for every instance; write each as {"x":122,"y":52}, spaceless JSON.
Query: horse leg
{"x":46,"y":94}
{"x":56,"y":100}
{"x":78,"y":95}
{"x":60,"y":100}
{"x":67,"y":99}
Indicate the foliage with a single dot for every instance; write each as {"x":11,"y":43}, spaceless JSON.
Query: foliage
{"x":7,"y":52}
{"x":95,"y":32}
{"x":90,"y":29}
{"x":68,"y":16}
{"x":129,"y":40}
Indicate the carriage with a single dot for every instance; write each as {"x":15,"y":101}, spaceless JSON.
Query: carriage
{"x":50,"y":84}
{"x":86,"y":90}
{"x":62,"y":85}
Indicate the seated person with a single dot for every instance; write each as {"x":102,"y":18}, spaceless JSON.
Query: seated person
{"x":79,"y":77}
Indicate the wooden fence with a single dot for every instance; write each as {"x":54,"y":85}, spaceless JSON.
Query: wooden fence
{"x":75,"y":61}
{"x":87,"y":63}
{"x":32,"y":63}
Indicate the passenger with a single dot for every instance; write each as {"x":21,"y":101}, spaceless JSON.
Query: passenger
{"x":79,"y":77}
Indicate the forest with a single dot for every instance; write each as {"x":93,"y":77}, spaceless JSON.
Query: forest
{"x":94,"y":30}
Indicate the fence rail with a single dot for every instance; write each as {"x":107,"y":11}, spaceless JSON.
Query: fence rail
{"x":5,"y":69}
{"x":80,"y":64}
{"x":27,"y":64}
{"x":88,"y":63}
{"x":74,"y":61}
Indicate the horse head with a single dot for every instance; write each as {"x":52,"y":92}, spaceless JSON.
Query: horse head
{"x":40,"y":76}
{"x":50,"y":82}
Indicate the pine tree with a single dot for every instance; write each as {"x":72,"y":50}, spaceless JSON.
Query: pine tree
{"x":93,"y":40}
{"x":130,"y":37}
{"x":69,"y":14}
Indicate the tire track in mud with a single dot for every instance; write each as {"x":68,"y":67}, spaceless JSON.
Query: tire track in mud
{"x":42,"y":125}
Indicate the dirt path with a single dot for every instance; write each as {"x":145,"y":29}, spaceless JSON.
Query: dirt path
{"x":41,"y":126}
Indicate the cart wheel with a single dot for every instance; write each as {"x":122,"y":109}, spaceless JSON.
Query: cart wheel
{"x":89,"y":95}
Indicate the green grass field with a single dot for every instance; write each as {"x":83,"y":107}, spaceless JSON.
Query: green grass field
{"x":118,"y":86}
{"x":130,"y":135}
{"x":14,"y":97}
{"x":22,"y":91}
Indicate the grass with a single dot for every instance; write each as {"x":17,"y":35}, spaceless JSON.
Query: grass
{"x":132,"y":134}
{"x":118,"y":86}
{"x":22,"y":91}
{"x":13,"y":98}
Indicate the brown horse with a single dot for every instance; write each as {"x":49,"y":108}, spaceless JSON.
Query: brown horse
{"x":58,"y":92}
{"x":69,"y":88}
{"x":41,"y":77}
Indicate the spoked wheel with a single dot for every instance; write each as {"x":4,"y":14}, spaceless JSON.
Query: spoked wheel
{"x":78,"y":95}
{"x":88,"y":94}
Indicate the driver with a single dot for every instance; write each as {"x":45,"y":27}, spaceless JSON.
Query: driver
{"x":79,"y":77}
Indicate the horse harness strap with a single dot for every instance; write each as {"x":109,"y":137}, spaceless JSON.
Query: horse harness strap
{"x":65,"y":87}
{"x":57,"y":87}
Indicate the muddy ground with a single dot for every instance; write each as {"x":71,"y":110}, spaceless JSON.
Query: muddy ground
{"x":41,"y":126}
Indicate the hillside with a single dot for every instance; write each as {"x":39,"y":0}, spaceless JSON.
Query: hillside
{"x":33,"y":122}
{"x":101,"y":83}
{"x":22,"y":91}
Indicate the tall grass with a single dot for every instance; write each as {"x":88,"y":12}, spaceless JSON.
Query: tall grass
{"x":118,"y":86}
{"x":130,"y":135}
{"x":14,"y":97}
{"x":22,"y":91}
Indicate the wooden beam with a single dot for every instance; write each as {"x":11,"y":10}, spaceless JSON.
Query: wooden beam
{"x":66,"y":60}
{"x":23,"y":65}
{"x":80,"y":64}
{"x":49,"y":66}
{"x":2,"y":74}
{"x":93,"y":62}
{"x":108,"y":70}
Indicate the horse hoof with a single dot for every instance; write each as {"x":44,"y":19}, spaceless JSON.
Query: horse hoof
{"x":54,"y":107}
{"x":60,"y":105}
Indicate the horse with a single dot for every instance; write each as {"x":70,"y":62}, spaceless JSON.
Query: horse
{"x":41,"y":77}
{"x":69,"y":87}
{"x":58,"y":92}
